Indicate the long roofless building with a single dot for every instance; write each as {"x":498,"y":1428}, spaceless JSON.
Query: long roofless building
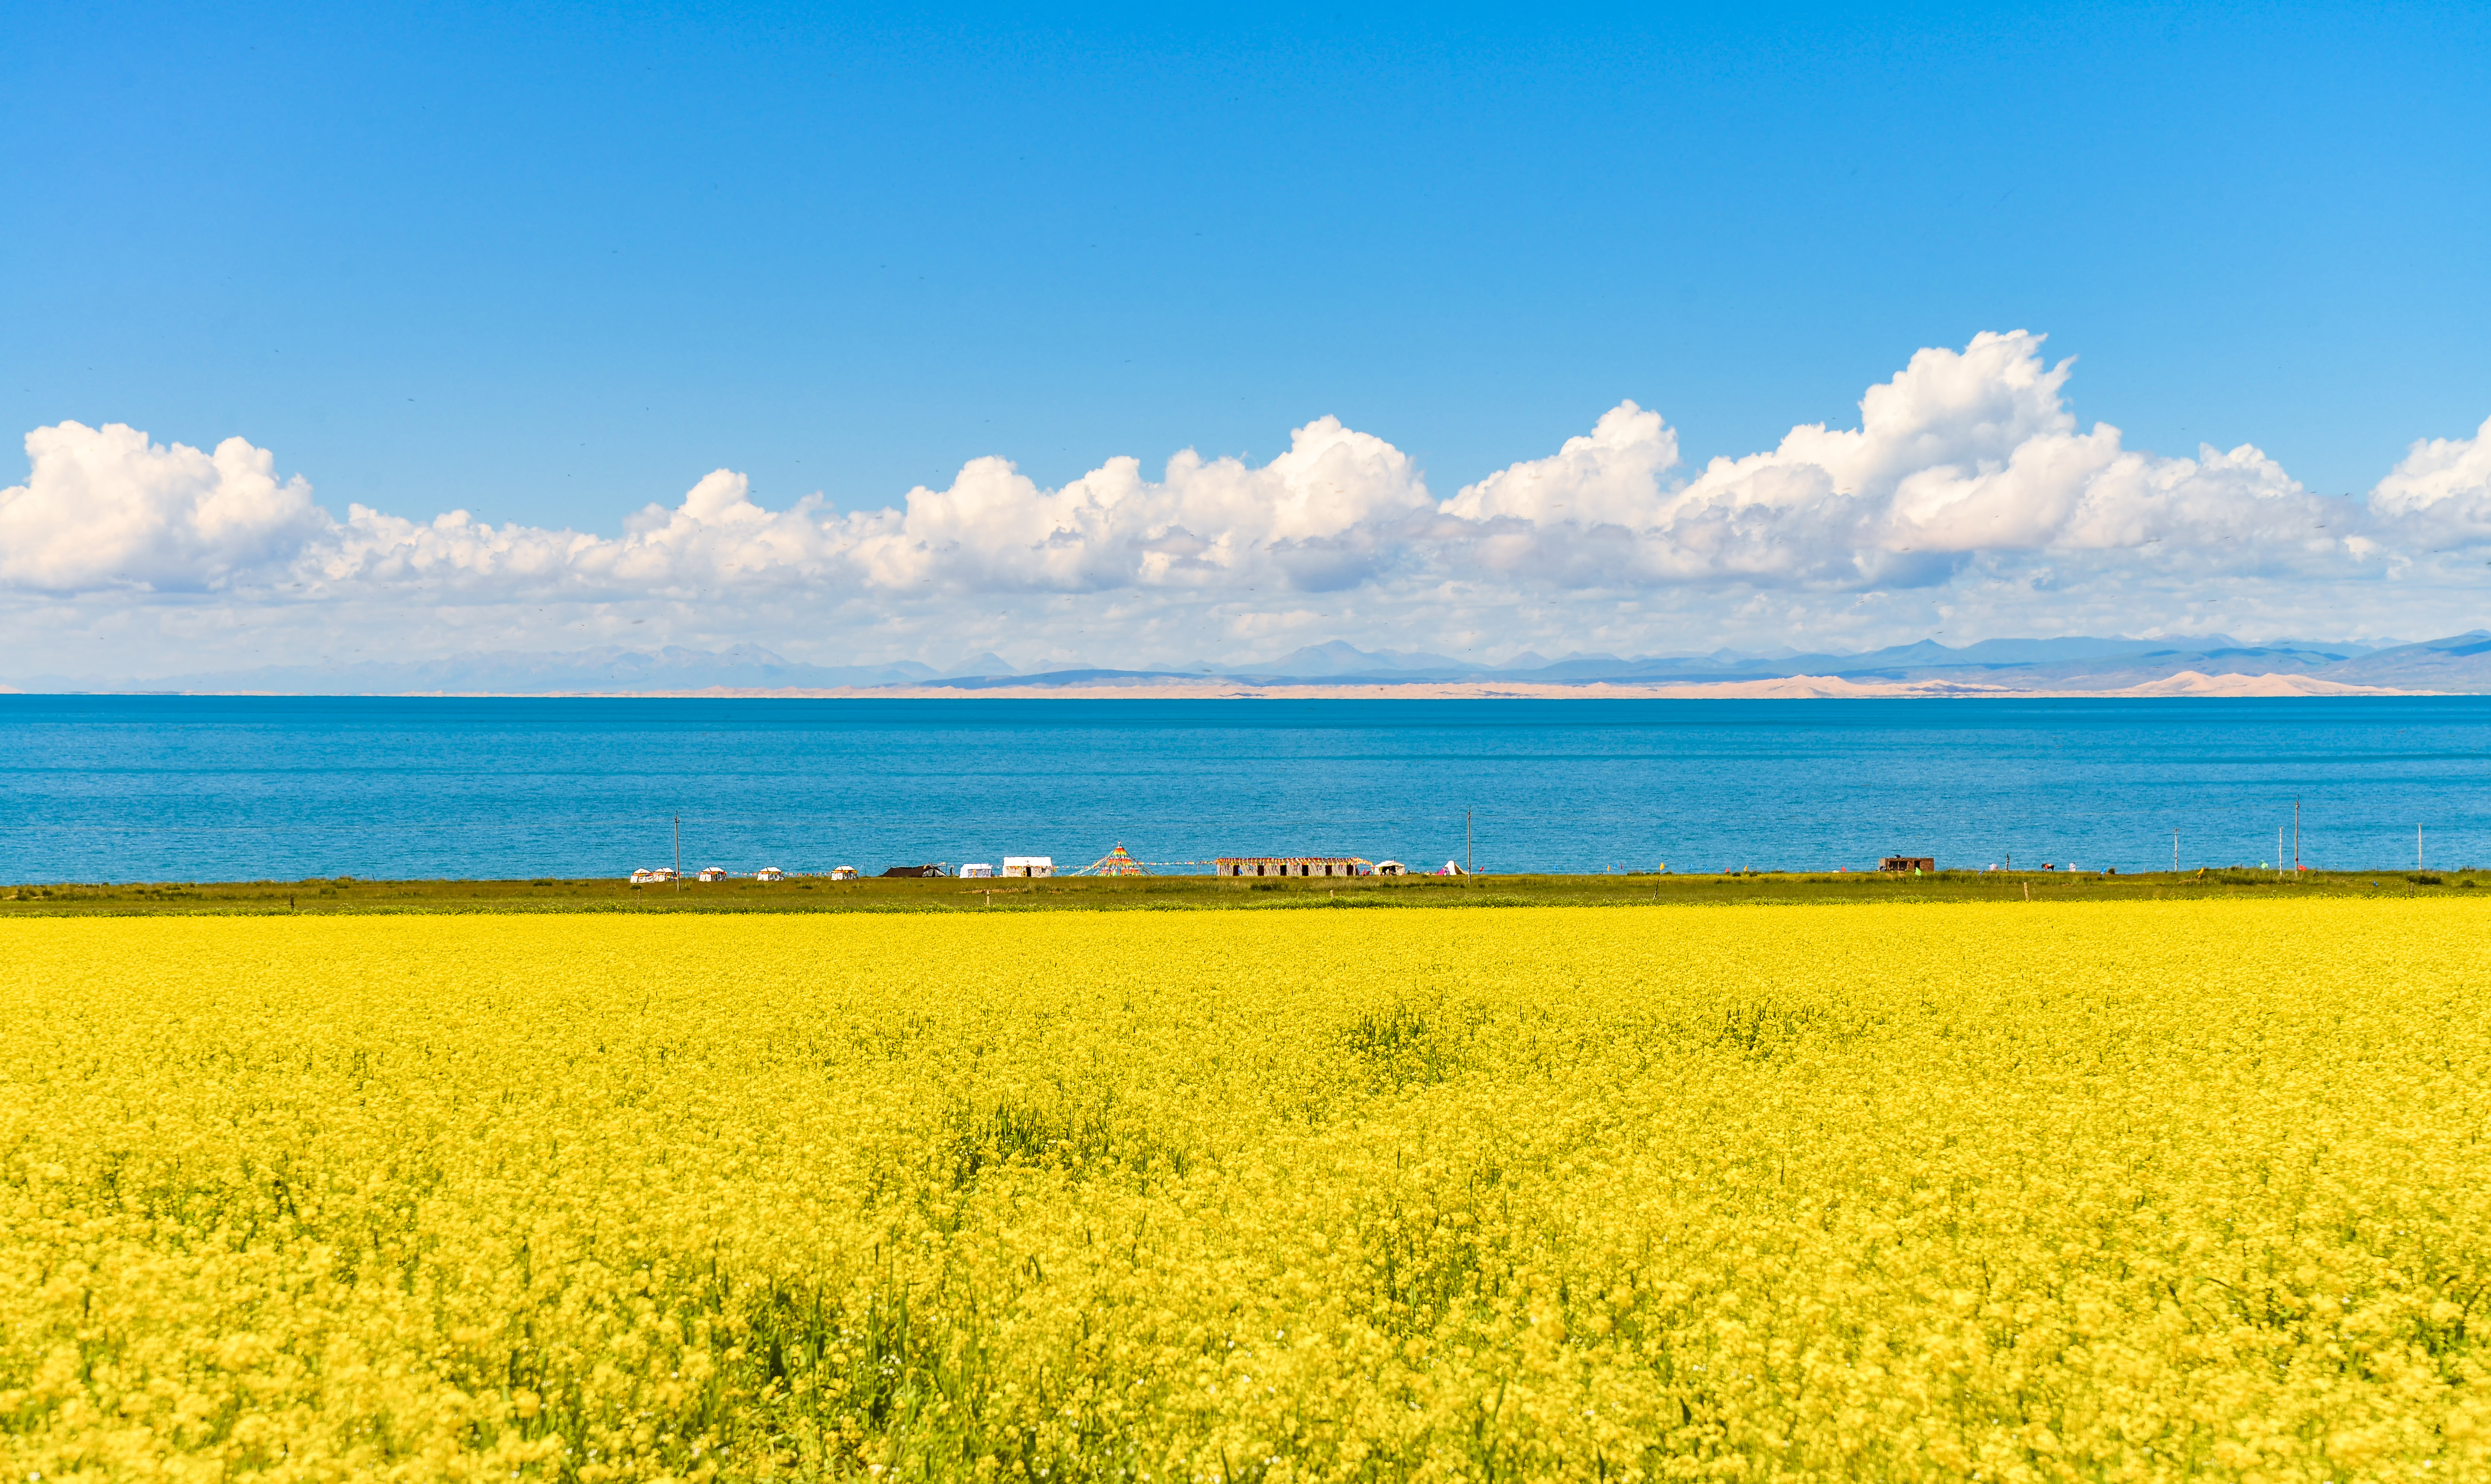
{"x":1291,"y":865}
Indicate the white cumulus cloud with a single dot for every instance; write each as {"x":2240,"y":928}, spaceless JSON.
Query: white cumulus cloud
{"x":1307,"y":519}
{"x":103,"y":508}
{"x":1609,"y":477}
{"x":1968,"y":497}
{"x":2441,"y":484}
{"x":1962,"y":454}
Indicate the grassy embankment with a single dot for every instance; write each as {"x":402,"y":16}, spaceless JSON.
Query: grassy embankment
{"x":347,"y":895}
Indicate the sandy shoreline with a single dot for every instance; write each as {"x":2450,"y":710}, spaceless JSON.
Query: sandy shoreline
{"x":1796,"y":687}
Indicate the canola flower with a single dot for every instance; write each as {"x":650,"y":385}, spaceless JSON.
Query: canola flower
{"x":2138,"y":1191}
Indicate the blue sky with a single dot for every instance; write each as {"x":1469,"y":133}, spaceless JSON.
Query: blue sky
{"x":550,"y":265}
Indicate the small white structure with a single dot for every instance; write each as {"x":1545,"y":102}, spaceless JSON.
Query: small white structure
{"x":843,"y":873}
{"x":712,"y":873}
{"x":1451,"y":868}
{"x":1028,"y":866}
{"x":1390,"y":869}
{"x":645,"y":877}
{"x":769,"y":873}
{"x":976,"y":872}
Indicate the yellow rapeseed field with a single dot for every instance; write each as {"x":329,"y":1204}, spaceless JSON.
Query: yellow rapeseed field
{"x":1897,"y":1192}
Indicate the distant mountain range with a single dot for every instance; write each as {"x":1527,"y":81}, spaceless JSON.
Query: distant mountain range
{"x":2460,"y":663}
{"x":608,"y":668}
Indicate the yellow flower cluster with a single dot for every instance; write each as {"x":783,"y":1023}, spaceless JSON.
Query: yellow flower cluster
{"x":2141,"y":1191}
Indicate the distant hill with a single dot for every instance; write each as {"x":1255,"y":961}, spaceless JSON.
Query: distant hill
{"x":983,"y":665}
{"x":2074,"y":664}
{"x":2460,"y":663}
{"x":608,"y":668}
{"x":2071,"y":663}
{"x":1337,"y":659}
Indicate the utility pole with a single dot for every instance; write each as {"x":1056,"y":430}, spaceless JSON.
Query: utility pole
{"x":2175,"y":851}
{"x":2416,"y":847}
{"x":2296,"y":838}
{"x":1470,"y":865}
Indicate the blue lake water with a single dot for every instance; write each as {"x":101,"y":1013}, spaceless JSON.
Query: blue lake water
{"x":132,"y":788}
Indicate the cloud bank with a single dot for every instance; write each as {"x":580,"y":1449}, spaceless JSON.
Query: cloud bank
{"x":1968,"y":501}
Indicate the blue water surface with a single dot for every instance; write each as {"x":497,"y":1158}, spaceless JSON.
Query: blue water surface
{"x":192,"y":788}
